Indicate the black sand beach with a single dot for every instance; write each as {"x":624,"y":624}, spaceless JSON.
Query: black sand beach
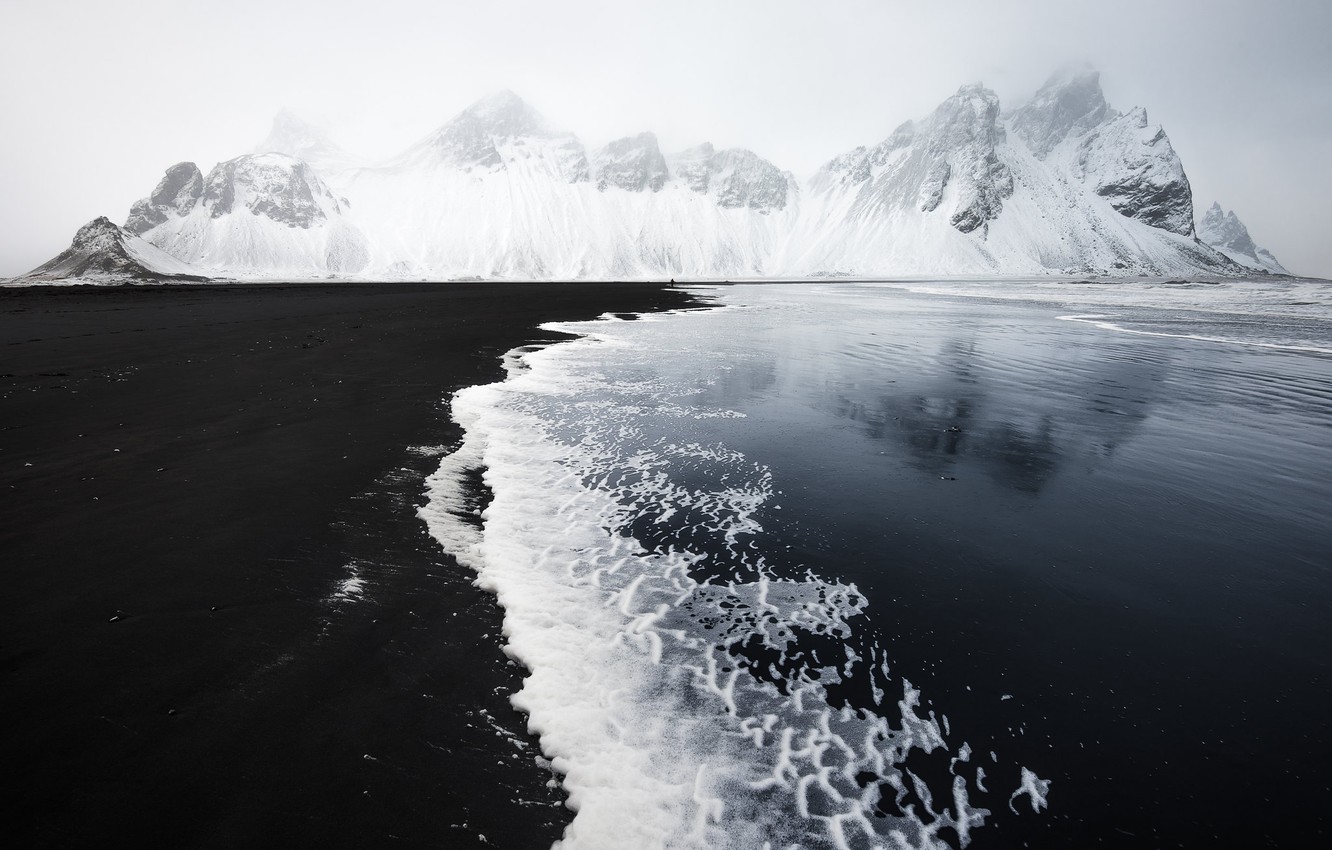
{"x":188,"y":474}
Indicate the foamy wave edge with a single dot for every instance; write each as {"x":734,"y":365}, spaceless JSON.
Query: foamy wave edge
{"x":661,"y":739}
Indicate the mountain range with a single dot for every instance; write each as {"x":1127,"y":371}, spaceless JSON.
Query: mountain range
{"x":1062,"y":185}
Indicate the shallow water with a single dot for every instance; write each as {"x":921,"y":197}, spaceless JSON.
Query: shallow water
{"x":898,"y":565}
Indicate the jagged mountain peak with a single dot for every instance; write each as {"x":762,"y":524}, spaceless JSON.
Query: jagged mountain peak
{"x":474,"y":137}
{"x":100,"y":234}
{"x":974,"y":89}
{"x":501,"y":102}
{"x":260,"y":214}
{"x":1223,"y":228}
{"x":647,"y":139}
{"x":693,"y":166}
{"x":1224,"y":231}
{"x":1064,"y":184}
{"x":506,"y":115}
{"x":276,"y":185}
{"x":1077,"y":74}
{"x":1069,"y":104}
{"x":734,"y":177}
{"x":1076,"y":86}
{"x":106,"y":253}
{"x":946,"y":165}
{"x":972,"y":112}
{"x":176,"y":194}
{"x":633,"y":163}
{"x":1132,"y":164}
{"x":961,"y":149}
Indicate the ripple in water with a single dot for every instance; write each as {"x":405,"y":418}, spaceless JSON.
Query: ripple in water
{"x":691,"y":688}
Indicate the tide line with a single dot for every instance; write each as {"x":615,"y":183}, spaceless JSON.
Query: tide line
{"x":1099,"y":321}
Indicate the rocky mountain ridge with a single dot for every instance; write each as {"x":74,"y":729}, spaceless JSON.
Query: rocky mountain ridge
{"x":1225,"y":232}
{"x":1064,"y":184}
{"x":103,"y":252}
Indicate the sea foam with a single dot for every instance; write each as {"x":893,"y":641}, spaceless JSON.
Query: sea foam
{"x":680,"y":684}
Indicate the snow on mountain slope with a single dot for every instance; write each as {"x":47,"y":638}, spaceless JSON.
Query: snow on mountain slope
{"x":736,"y":178}
{"x":258,"y":215}
{"x":1132,"y":164}
{"x":1070,"y":104}
{"x":633,"y":163}
{"x":907,"y":205}
{"x":176,"y":194}
{"x":498,"y":192}
{"x":517,"y":222}
{"x":478,"y":137}
{"x":1122,"y":157}
{"x":1226,"y":233}
{"x":104,"y":253}
{"x":1064,"y":184}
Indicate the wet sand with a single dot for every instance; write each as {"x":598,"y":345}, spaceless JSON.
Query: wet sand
{"x":189,"y":476}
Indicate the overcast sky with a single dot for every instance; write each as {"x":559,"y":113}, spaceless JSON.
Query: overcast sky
{"x":99,"y":98}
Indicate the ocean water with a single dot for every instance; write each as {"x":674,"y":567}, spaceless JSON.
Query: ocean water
{"x":919,"y":564}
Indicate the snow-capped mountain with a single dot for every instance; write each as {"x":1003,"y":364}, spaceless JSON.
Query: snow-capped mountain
{"x":633,"y":163}
{"x":261,"y":215}
{"x":499,"y":191}
{"x":1064,"y":184}
{"x":1226,"y":233}
{"x":179,"y":191}
{"x":497,"y":133}
{"x":735,"y":178}
{"x":102,"y":252}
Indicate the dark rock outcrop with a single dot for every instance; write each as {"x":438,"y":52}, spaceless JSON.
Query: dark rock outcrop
{"x":177,"y":193}
{"x":278,"y":186}
{"x":1132,"y":164}
{"x":106,"y":253}
{"x":952,"y":154}
{"x":964,"y":133}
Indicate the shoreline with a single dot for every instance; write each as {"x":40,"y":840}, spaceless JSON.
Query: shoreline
{"x":210,"y":466}
{"x":972,"y":468}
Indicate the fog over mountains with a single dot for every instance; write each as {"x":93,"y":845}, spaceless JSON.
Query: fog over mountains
{"x":1063,"y":185}
{"x":1225,"y":232}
